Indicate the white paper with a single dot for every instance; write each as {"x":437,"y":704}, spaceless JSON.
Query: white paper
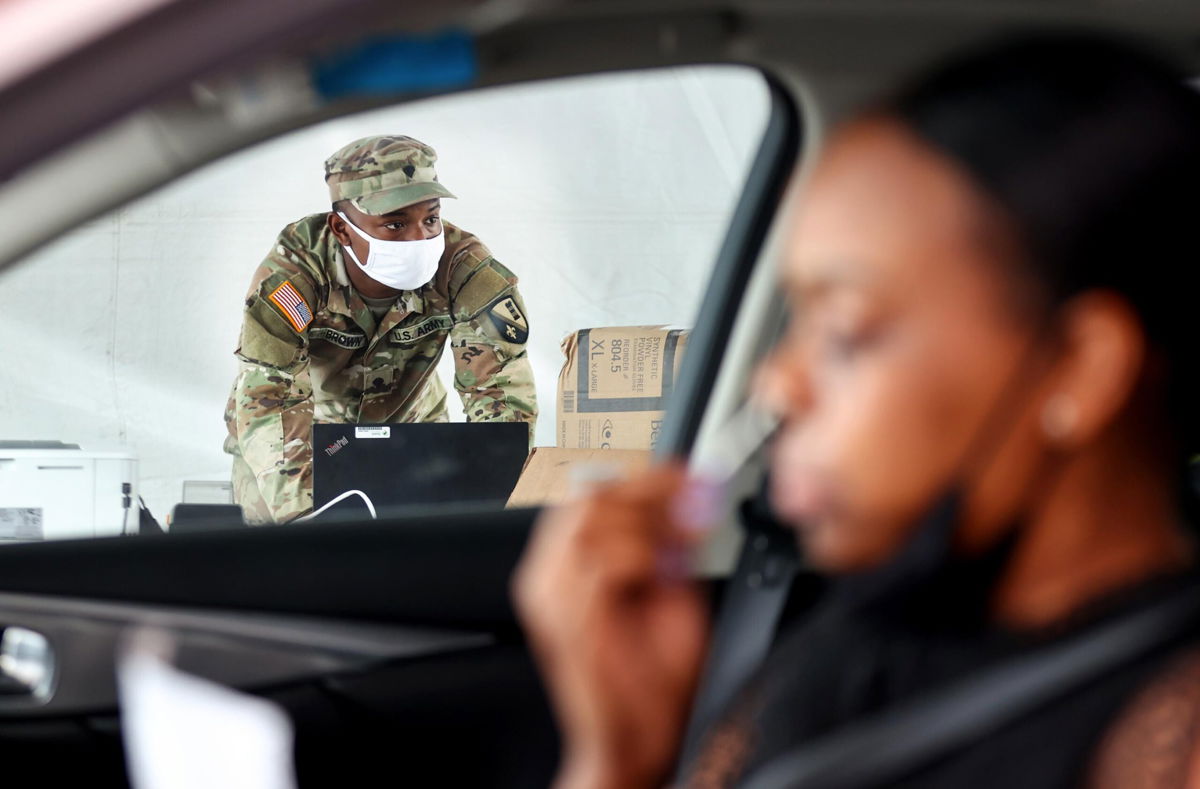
{"x":185,"y":732}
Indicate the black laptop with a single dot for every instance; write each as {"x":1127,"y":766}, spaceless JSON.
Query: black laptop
{"x":408,"y":465}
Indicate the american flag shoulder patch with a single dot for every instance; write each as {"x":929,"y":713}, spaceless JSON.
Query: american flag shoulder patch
{"x":292,"y":305}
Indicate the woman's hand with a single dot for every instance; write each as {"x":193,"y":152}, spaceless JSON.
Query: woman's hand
{"x":616,"y":625}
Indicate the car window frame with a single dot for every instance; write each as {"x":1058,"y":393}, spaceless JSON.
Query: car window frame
{"x":745,"y":231}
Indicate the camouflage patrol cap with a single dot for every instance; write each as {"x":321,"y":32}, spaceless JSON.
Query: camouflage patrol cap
{"x":379,"y":175}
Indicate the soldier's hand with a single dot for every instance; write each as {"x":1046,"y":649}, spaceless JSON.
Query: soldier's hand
{"x":616,"y":625}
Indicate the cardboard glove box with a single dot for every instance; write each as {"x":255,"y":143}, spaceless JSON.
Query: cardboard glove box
{"x":612,"y":393}
{"x":615,"y":385}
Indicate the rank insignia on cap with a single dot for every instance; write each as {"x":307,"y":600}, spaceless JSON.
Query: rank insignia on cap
{"x":292,"y":305}
{"x":509,"y":321}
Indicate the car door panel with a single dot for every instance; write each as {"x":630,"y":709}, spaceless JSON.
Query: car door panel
{"x":391,"y":644}
{"x":448,"y":570}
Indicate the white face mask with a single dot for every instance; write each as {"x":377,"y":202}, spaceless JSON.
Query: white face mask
{"x":403,"y":265}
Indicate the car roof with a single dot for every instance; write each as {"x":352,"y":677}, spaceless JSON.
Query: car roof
{"x":50,"y":31}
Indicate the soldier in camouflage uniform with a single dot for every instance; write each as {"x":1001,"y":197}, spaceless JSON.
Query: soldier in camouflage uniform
{"x":324,"y":341}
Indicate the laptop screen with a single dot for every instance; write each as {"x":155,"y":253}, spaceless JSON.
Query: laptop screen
{"x":424,"y":463}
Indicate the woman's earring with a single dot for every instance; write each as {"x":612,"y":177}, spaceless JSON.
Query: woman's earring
{"x":1059,"y":416}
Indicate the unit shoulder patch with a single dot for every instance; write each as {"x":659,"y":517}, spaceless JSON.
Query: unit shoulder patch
{"x":293,"y":306}
{"x":508,"y":318}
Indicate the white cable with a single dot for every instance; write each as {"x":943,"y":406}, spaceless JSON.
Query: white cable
{"x":336,"y":499}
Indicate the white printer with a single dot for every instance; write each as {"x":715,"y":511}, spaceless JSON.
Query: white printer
{"x":51,"y":490}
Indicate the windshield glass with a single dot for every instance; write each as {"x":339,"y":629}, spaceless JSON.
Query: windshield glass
{"x":579,"y":206}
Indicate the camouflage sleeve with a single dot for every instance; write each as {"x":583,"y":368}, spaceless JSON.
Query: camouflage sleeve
{"x":492,"y":371}
{"x":272,"y":406}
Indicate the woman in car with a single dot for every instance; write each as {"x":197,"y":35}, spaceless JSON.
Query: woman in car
{"x":987,"y":401}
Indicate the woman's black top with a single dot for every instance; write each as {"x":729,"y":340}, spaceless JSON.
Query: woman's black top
{"x":859,"y":653}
